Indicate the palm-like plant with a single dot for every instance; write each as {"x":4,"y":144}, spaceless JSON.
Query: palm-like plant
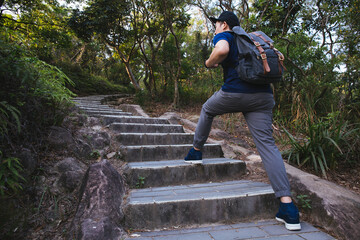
{"x":327,"y":139}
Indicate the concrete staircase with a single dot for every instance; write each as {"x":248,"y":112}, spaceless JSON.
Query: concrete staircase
{"x":207,"y":201}
{"x":166,"y":191}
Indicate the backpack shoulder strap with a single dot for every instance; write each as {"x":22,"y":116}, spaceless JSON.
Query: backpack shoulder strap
{"x":262,"y":54}
{"x":280,"y":55}
{"x":263,"y":38}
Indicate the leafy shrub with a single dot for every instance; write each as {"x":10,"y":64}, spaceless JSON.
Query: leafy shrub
{"x":6,"y":113}
{"x":198,"y":88}
{"x":87,"y":83}
{"x":50,"y":82}
{"x":10,"y":176}
{"x":142,"y":97}
{"x":33,"y":95}
{"x":327,"y":140}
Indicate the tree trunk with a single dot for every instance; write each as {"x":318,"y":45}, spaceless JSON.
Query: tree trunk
{"x":151,"y":80}
{"x":131,"y":76}
{"x":176,"y":101}
{"x":79,"y":54}
{"x":147,"y":78}
{"x":129,"y":70}
{"x":149,"y":71}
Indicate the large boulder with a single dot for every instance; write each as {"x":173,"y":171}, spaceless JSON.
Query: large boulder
{"x":332,"y":207}
{"x":91,"y":139}
{"x":60,"y":138}
{"x":28,"y":161}
{"x":98,"y":215}
{"x":71,"y":173}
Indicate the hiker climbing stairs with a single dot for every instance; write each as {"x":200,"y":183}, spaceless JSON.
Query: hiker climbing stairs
{"x":167,"y":192}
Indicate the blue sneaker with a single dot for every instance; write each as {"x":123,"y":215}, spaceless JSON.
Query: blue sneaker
{"x":194,"y":156}
{"x":289,"y":214}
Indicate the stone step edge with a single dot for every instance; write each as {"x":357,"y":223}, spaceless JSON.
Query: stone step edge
{"x":146,"y":124}
{"x":102,"y":110}
{"x":264,"y":191}
{"x":97,"y":108}
{"x":180,"y":163}
{"x":255,"y":189}
{"x":100,"y":113}
{"x":269,"y":229}
{"x":153,"y":134}
{"x":133,"y":117}
{"x":170,"y":145}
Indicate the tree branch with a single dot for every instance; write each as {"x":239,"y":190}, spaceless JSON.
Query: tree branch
{"x":28,"y":23}
{"x":288,"y":45}
{"x":287,"y":15}
{"x":325,"y":29}
{"x":199,"y":5}
{"x":262,"y":14}
{"x":294,"y":64}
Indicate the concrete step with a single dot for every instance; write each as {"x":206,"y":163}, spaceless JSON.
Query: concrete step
{"x":88,"y":102}
{"x":144,"y":153}
{"x":107,"y":112}
{"x":242,"y":200}
{"x":108,"y":119}
{"x":90,"y":98}
{"x":90,"y":105}
{"x":103,"y":110}
{"x":267,"y":229}
{"x":95,"y":107}
{"x":154,"y":138}
{"x":146,"y":128}
{"x":174,"y":172}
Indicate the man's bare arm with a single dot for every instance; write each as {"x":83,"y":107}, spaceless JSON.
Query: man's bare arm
{"x":218,"y":54}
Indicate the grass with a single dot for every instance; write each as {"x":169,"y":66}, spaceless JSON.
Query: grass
{"x":327,"y":141}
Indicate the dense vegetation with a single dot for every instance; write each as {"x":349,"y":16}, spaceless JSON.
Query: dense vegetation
{"x":50,"y":51}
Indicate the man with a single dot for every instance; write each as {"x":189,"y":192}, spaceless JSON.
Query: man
{"x":256,"y":103}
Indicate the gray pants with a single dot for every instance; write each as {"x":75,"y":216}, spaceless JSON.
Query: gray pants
{"x":257,"y":110}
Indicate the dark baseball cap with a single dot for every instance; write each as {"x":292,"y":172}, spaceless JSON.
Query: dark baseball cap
{"x":229,"y":17}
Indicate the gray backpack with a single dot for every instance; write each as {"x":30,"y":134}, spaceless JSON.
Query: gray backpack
{"x":259,"y":61}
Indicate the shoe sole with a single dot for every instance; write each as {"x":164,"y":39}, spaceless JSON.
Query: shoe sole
{"x":290,"y":226}
{"x":194,"y":161}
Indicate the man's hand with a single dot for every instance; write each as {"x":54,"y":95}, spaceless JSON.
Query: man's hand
{"x":214,"y":66}
{"x":218,"y":54}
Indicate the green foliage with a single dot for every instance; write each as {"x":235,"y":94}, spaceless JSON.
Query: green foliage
{"x":275,"y":19}
{"x":45,"y":33}
{"x":142,"y":98}
{"x":10,"y":175}
{"x":95,"y":154}
{"x":50,"y":82}
{"x":141,"y":182}
{"x":33,"y":94}
{"x":88,"y":83}
{"x":327,"y":140}
{"x":197,"y":83}
{"x":98,"y":17}
{"x":304,"y":201}
{"x":7,"y":114}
